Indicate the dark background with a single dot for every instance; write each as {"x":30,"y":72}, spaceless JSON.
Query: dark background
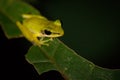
{"x":92,"y":29}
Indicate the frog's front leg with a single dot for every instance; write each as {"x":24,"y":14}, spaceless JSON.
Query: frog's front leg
{"x":44,"y":41}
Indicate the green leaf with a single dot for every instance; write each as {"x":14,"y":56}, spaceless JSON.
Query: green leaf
{"x":59,"y":57}
{"x":10,"y":12}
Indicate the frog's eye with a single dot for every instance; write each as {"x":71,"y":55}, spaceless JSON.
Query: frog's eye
{"x":47,"y":32}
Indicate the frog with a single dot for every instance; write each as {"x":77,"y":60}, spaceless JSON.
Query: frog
{"x":36,"y":28}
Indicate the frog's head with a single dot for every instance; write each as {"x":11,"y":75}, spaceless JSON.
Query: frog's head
{"x":53,"y":29}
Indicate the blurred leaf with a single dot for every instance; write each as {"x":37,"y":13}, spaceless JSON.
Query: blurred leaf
{"x":10,"y":12}
{"x":72,"y":66}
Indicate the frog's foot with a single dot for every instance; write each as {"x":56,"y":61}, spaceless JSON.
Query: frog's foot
{"x":40,"y":43}
{"x":45,"y":42}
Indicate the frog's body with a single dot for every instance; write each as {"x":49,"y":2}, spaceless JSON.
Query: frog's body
{"x":34,"y":26}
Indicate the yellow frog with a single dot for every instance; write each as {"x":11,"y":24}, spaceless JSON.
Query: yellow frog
{"x":36,"y":27}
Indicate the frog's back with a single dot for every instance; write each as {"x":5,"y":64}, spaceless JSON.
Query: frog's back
{"x":35,"y":23}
